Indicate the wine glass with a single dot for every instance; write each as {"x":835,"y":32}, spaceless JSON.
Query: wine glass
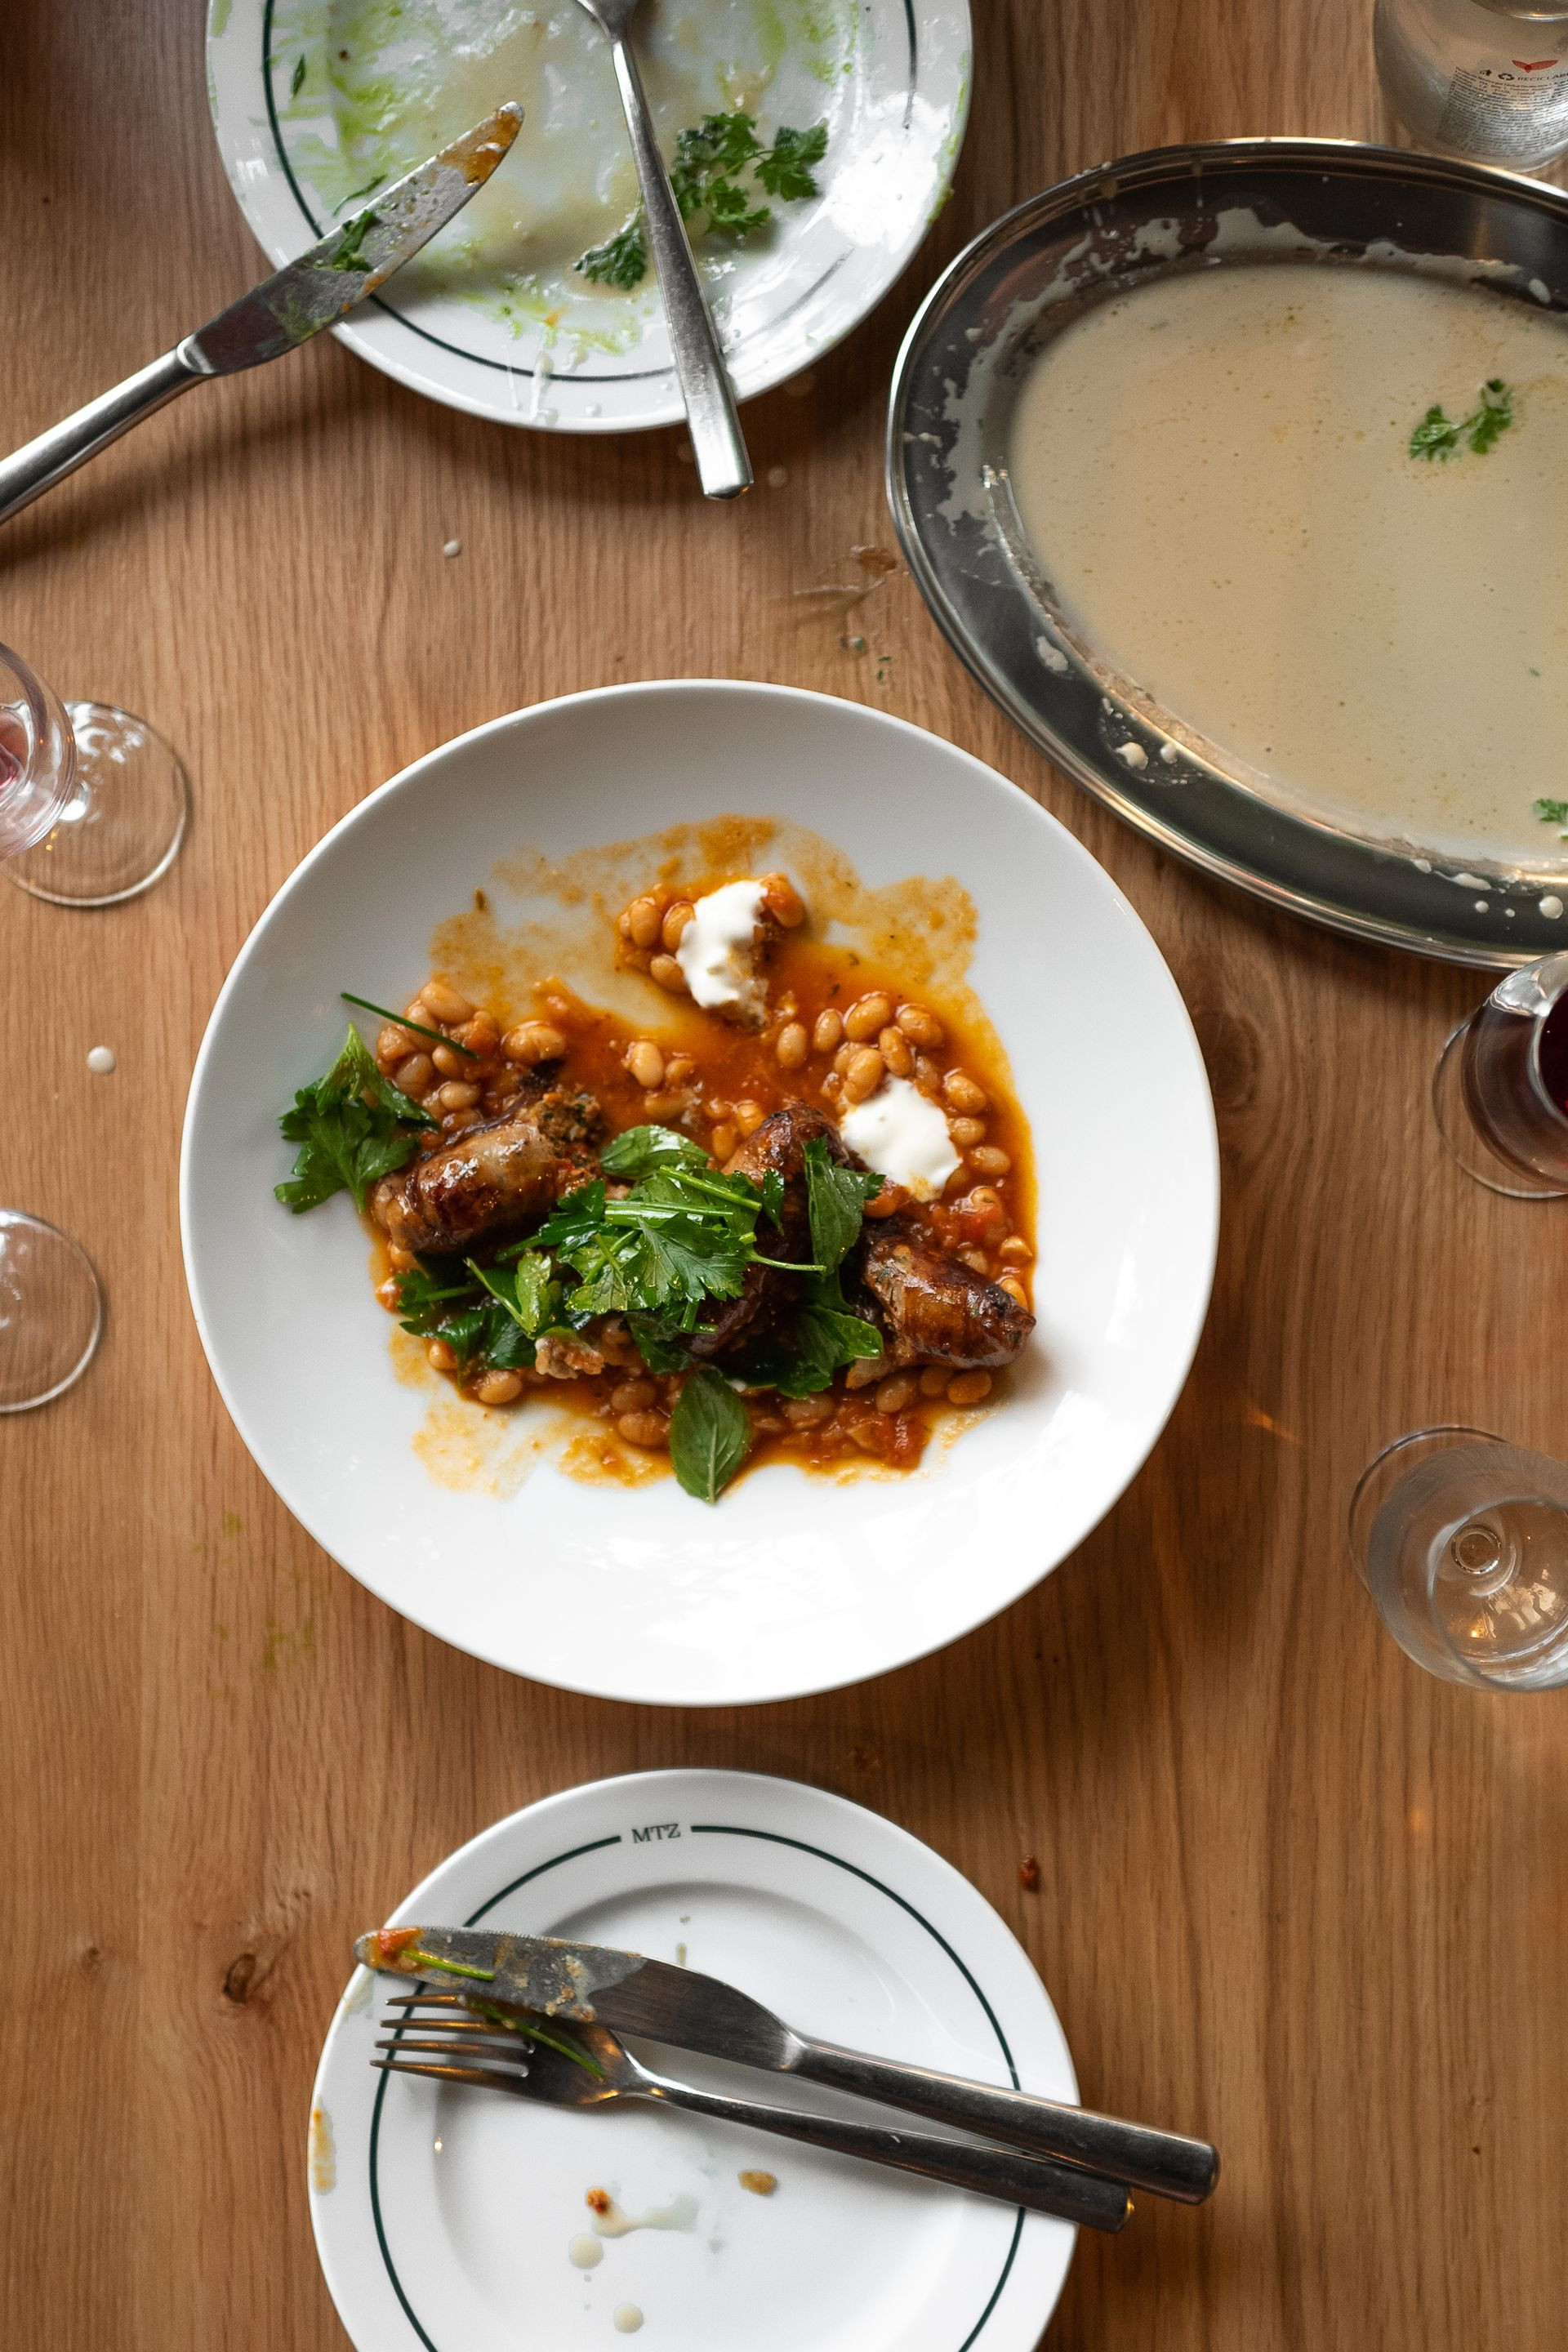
{"x":1462,"y":1541}
{"x":51,"y":1311}
{"x":1500,"y":1087}
{"x":93,"y":804}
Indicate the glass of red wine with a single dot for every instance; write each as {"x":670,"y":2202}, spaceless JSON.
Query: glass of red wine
{"x":1501,"y":1089}
{"x":93,"y":804}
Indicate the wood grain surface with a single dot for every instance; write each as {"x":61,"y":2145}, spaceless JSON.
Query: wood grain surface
{"x":1293,"y":1894}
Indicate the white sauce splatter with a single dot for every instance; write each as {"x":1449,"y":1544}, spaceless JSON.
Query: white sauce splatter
{"x":628,"y":2319}
{"x":904,"y":1137}
{"x":680,"y":2213}
{"x":585,"y":2252}
{"x":1052,"y":656}
{"x":715,"y":950}
{"x":101,"y":1061}
{"x":1552,"y":906}
{"x":1133,"y":753}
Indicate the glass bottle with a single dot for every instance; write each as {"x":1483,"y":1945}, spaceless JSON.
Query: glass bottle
{"x":1483,"y":79}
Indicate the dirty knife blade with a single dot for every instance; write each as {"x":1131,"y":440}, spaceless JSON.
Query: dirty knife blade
{"x":287,"y":309}
{"x":355,"y":257}
{"x":592,"y":1984}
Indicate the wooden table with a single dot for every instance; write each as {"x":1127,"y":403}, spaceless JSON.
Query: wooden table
{"x":1293,"y":1893}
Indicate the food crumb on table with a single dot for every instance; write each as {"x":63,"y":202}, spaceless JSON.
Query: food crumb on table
{"x":760,"y":2184}
{"x":453,"y":547}
{"x":1030,"y":1873}
{"x":101,"y":1061}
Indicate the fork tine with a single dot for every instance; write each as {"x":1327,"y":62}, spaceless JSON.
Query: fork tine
{"x":480,"y":2076}
{"x":469,"y":2053}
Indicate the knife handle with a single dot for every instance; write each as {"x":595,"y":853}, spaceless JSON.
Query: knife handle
{"x":1166,"y":2163}
{"x":40,"y":464}
{"x":1002,"y":2172}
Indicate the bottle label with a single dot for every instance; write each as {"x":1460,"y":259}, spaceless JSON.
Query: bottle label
{"x":1489,"y":101}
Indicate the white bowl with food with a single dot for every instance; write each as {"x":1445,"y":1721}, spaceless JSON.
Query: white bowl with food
{"x":782,"y":1231}
{"x":811,"y":146}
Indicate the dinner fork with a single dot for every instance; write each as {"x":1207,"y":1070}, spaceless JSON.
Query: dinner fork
{"x":493,"y":2053}
{"x":724,"y":467}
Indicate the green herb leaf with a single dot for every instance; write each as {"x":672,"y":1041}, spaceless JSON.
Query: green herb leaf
{"x":835,"y":1197}
{"x":1437,"y":437}
{"x":349,"y":251}
{"x":1492,"y":417}
{"x":710,"y":1435}
{"x":640,"y":1149}
{"x":621,"y":260}
{"x":1434,"y":436}
{"x":729,"y":212}
{"x":296,"y":79}
{"x":785,"y":170}
{"x":1553,"y":811}
{"x":525,"y":1290}
{"x":449,"y":1967}
{"x":658,"y":1343}
{"x":351,"y":1127}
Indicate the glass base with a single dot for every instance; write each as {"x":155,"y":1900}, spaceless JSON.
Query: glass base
{"x":51,"y":1311}
{"x":123,"y":826}
{"x":1465,"y":1140}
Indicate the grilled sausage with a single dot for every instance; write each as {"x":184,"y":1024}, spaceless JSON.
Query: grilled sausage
{"x":777,"y":1145}
{"x":492,"y":1181}
{"x":936,"y":1311}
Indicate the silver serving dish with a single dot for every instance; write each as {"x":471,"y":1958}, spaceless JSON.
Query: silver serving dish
{"x":954,"y":386}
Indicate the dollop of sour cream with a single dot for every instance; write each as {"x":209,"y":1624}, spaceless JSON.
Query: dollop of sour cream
{"x":715,"y":950}
{"x":903,"y":1137}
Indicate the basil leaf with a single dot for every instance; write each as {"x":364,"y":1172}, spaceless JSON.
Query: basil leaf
{"x":710,"y":1435}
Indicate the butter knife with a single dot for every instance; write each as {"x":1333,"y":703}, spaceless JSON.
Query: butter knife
{"x":680,"y":2007}
{"x":287,"y":309}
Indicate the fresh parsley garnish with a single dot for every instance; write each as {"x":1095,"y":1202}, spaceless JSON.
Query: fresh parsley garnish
{"x":710,"y":1434}
{"x":354,"y":1127}
{"x":1553,"y":811}
{"x":785,"y":169}
{"x":349,"y":251}
{"x":835,"y":1198}
{"x":621,"y":260}
{"x":684,"y":1234}
{"x":638,"y":1150}
{"x":709,"y":177}
{"x":491,"y":1317}
{"x":1437,"y":437}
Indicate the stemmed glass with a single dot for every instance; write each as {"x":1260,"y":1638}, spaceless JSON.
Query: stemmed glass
{"x":92,"y":802}
{"x":1500,"y":1087}
{"x":92,"y":809}
{"x":1462,"y":1541}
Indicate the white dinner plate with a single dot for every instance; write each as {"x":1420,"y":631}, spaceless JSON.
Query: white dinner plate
{"x":305,"y":98}
{"x":790,"y":1583}
{"x":443,"y":2216}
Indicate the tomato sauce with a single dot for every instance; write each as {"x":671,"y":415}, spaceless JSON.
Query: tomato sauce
{"x":716,"y":1081}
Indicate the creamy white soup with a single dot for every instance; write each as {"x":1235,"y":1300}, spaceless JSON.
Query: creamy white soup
{"x":1216,"y":471}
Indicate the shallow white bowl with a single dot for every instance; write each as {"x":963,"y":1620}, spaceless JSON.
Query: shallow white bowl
{"x":790,"y":1583}
{"x":896,"y":112}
